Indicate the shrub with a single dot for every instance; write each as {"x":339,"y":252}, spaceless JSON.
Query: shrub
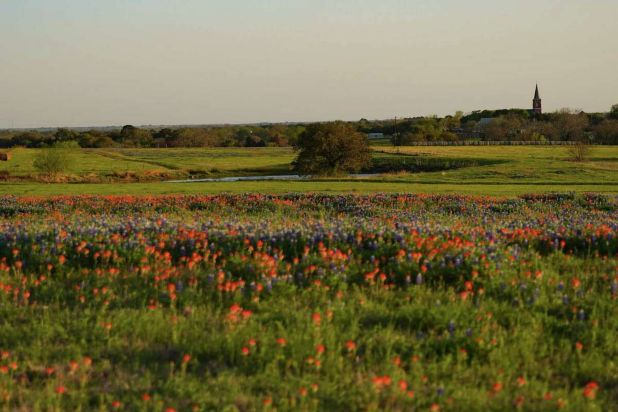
{"x":52,"y":161}
{"x":579,"y":151}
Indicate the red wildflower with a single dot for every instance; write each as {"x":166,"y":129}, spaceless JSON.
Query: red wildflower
{"x":519,"y":401}
{"x":317,"y":319}
{"x":590,"y":390}
{"x":380,"y":381}
{"x":73,"y":365}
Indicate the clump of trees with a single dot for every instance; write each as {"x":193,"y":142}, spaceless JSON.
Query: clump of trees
{"x":331,"y":149}
{"x":486,"y":125}
{"x":131,"y":136}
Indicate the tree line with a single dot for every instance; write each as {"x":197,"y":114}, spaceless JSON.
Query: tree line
{"x":488,"y":125}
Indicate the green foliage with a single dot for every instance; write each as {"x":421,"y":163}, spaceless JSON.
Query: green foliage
{"x":331,"y":149}
{"x":613,"y":113}
{"x":54,"y":160}
{"x":510,"y":124}
{"x":498,"y":170}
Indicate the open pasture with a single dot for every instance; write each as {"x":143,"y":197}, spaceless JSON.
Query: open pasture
{"x":309,"y":302}
{"x":491,"y":170}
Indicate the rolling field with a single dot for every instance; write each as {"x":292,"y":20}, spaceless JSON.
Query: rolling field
{"x":217,"y":162}
{"x":493,"y":170}
{"x":309,"y":302}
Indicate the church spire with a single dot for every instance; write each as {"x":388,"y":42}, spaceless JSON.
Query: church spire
{"x":537,"y":107}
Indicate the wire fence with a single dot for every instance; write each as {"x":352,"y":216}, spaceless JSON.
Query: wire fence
{"x":492,"y":143}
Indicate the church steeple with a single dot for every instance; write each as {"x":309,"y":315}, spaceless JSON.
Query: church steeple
{"x":537,"y":107}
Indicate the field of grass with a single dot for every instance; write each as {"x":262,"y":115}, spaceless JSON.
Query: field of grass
{"x":309,"y":302}
{"x":217,"y":162}
{"x":497,"y":170}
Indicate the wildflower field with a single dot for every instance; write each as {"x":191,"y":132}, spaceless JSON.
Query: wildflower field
{"x":309,"y":302}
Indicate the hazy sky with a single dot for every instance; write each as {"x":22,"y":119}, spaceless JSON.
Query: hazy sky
{"x":104,"y":62}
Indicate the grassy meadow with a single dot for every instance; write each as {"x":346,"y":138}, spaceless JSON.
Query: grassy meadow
{"x":493,"y":170}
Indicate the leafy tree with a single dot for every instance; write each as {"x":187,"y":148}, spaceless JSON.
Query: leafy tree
{"x":505,"y":127}
{"x":406,"y":138}
{"x":613,"y":112}
{"x":331,"y":149}
{"x":28,"y":139}
{"x":570,"y":124}
{"x":63,"y":135}
{"x":166,"y":135}
{"x":193,"y":137}
{"x":132,"y":136}
{"x":606,"y":132}
{"x":104,"y":141}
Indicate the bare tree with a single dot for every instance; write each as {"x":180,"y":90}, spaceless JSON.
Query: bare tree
{"x":580,"y":150}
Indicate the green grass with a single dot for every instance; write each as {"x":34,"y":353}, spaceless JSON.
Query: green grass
{"x":218,"y":162}
{"x":325,"y":186}
{"x":497,"y":170}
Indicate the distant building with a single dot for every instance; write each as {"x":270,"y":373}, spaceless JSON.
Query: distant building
{"x":537,"y":107}
{"x":375,"y":135}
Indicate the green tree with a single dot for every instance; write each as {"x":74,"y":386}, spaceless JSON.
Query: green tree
{"x":63,"y":135}
{"x":331,"y":149}
{"x":132,"y":136}
{"x":613,"y":112}
{"x":570,"y":124}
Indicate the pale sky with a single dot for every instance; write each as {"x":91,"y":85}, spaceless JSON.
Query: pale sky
{"x":115,"y":62}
